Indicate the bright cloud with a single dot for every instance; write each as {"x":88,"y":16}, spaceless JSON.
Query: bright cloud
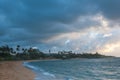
{"x":111,"y":49}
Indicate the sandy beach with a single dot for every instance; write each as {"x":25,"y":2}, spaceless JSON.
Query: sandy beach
{"x":14,"y":70}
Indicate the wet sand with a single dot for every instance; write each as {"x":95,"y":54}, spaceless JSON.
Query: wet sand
{"x":14,"y":70}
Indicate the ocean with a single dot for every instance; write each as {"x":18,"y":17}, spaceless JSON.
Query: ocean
{"x":76,"y":69}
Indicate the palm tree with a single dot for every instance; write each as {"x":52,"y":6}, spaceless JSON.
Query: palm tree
{"x":18,"y":48}
{"x":11,"y":50}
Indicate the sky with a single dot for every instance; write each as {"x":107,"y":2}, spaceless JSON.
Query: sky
{"x":77,"y":25}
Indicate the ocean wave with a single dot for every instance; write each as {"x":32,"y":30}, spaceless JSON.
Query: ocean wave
{"x":86,"y":69}
{"x":26,"y":64}
{"x":48,"y":74}
{"x":40,"y":73}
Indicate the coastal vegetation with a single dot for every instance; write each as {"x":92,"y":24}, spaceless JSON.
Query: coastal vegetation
{"x":19,"y":53}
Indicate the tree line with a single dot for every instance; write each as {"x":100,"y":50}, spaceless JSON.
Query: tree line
{"x":19,"y":53}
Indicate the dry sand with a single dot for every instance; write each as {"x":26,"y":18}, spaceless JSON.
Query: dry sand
{"x":14,"y":70}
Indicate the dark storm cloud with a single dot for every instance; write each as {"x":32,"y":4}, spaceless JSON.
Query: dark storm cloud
{"x":36,"y":20}
{"x":109,"y":8}
{"x":40,"y":18}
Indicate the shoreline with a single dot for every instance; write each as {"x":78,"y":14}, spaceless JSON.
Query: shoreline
{"x":15,"y":70}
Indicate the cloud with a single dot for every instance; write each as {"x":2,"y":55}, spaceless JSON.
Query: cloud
{"x":40,"y":18}
{"x":111,"y":49}
{"x":110,"y":9}
{"x":85,"y":24}
{"x":107,"y":35}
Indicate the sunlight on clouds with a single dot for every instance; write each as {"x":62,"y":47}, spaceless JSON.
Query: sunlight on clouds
{"x":111,"y":49}
{"x":66,"y":36}
{"x":85,"y":21}
{"x":98,"y":37}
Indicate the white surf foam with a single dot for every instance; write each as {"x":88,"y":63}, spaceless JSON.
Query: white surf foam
{"x":26,"y":64}
{"x":48,"y":74}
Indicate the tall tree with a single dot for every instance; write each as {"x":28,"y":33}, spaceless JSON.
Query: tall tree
{"x":18,"y":48}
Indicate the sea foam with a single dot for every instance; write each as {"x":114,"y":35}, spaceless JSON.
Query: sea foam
{"x":26,"y":64}
{"x":41,"y":74}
